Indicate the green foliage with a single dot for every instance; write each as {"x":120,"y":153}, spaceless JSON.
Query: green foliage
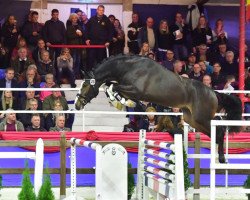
{"x":46,"y":193}
{"x":131,"y":181}
{"x":1,"y":182}
{"x":247,"y":184}
{"x":27,"y":192}
{"x":187,"y":181}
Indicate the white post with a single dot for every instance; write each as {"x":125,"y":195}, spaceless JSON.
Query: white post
{"x":98,"y":173}
{"x":186,"y":126}
{"x":73,"y":171}
{"x":226,"y":173}
{"x":212,"y":162}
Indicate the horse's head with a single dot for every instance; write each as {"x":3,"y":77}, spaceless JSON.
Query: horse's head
{"x":86,"y":93}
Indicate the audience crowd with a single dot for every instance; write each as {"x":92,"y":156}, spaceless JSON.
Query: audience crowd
{"x":27,"y":60}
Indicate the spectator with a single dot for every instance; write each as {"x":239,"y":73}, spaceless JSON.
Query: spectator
{"x":10,"y":123}
{"x":4,"y":58}
{"x":220,"y":55}
{"x":203,"y":53}
{"x":45,"y":65}
{"x":8,"y":101}
{"x":148,"y":34}
{"x":21,"y":63}
{"x":230,"y":83}
{"x":190,"y":63}
{"x":207,"y":80}
{"x":74,"y":35}
{"x":65,"y":68}
{"x":177,"y":120}
{"x":26,"y":118}
{"x":177,"y":67}
{"x":202,"y":34}
{"x":168,"y":63}
{"x":35,"y":124}
{"x":8,"y":81}
{"x":151,"y":55}
{"x":54,"y":32}
{"x":148,"y":122}
{"x":118,"y":42}
{"x":99,"y":32}
{"x":145,"y":49}
{"x":37,"y":53}
{"x":133,"y":30}
{"x":196,"y":74}
{"x":230,"y":67}
{"x":179,"y":31}
{"x":60,"y":125}
{"x":218,"y":78}
{"x":32,"y":31}
{"x":165,"y":40}
{"x":49,"y":83}
{"x":24,"y":101}
{"x":219,"y":34}
{"x":205,"y":67}
{"x":10,"y":33}
{"x":21,"y":43}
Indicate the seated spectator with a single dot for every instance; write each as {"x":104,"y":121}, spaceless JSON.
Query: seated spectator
{"x":230,"y":67}
{"x":177,"y":120}
{"x":196,"y":74}
{"x":148,"y":122}
{"x":203,"y":53}
{"x":168,"y":63}
{"x":49,"y":83}
{"x":35,"y":124}
{"x":178,"y":67}
{"x":24,"y":101}
{"x":190,"y":63}
{"x":151,"y":55}
{"x":21,"y":43}
{"x":118,"y":43}
{"x":50,"y":119}
{"x":60,"y":125}
{"x":7,"y":102}
{"x":21,"y":63}
{"x":220,"y":54}
{"x":207,"y":80}
{"x":8,"y":81}
{"x":218,"y":78}
{"x":45,"y":65}
{"x":37,"y":53}
{"x":25,"y":118}
{"x":4,"y":57}
{"x":65,"y":68}
{"x":145,"y":50}
{"x":10,"y":123}
{"x":206,"y":68}
{"x":231,"y":83}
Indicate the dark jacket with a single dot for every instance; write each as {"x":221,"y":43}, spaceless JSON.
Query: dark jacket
{"x":9,"y":38}
{"x":72,"y":37}
{"x":14,"y":84}
{"x":165,"y":40}
{"x":40,"y":129}
{"x":200,"y":36}
{"x":99,"y":30}
{"x":184,"y":31}
{"x":25,"y":118}
{"x":54,"y":32}
{"x":143,"y":37}
{"x":45,"y":68}
{"x":27,"y":31}
{"x":20,"y":68}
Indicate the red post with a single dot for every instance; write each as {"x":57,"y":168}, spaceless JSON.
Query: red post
{"x":242,"y":37}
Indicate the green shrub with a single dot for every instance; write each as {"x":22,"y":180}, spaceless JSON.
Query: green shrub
{"x":247,"y":184}
{"x":131,"y":182}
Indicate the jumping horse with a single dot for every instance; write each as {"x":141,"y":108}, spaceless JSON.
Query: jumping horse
{"x":140,"y":78}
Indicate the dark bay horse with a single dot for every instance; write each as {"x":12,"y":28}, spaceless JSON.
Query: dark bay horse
{"x":140,"y":78}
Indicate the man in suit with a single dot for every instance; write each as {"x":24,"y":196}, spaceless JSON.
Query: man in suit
{"x":8,"y":81}
{"x":60,"y":125}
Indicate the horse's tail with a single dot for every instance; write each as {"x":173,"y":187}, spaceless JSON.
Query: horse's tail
{"x":233,"y":107}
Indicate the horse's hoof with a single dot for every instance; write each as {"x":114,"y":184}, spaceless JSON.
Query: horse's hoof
{"x":222,"y":158}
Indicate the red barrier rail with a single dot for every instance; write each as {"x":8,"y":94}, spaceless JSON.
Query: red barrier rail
{"x":77,"y":46}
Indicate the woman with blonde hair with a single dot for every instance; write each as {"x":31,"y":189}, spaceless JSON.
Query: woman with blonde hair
{"x":7,"y":102}
{"x":145,"y":49}
{"x":149,"y":121}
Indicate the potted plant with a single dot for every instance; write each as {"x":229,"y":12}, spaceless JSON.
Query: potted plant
{"x":131,"y":183}
{"x":247,"y":185}
{"x":1,"y":184}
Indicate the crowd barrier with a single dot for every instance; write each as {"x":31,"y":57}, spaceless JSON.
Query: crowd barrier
{"x":38,"y":156}
{"x":110,"y":171}
{"x":160,"y":174}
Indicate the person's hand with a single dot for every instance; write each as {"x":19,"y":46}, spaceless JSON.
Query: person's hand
{"x":48,"y":44}
{"x":78,"y":32}
{"x":14,"y":30}
{"x":179,"y":36}
{"x":106,"y":44}
{"x":87,"y":42}
{"x":34,"y":33}
{"x":209,"y":41}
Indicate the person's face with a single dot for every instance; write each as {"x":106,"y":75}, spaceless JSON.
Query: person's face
{"x":197,"y":68}
{"x":150,"y":22}
{"x":170,"y":55}
{"x":222,"y":48}
{"x":229,"y":57}
{"x":117,"y":23}
{"x":34,"y":18}
{"x":22,"y":43}
{"x":84,"y":17}
{"x":135,"y":18}
{"x":65,"y":53}
{"x":202,"y":21}
{"x":58,"y":106}
{"x":12,"y":20}
{"x":55,"y":15}
{"x":36,"y":121}
{"x":8,"y":94}
{"x":178,"y":18}
{"x":207,"y":80}
{"x":79,"y":14}
{"x":100,"y":11}
{"x":179,"y":67}
{"x":74,"y":19}
{"x":22,"y":53}
{"x":164,"y":25}
{"x":61,"y":122}
{"x":30,"y":94}
{"x":203,"y":66}
{"x":45,"y":56}
{"x":56,"y":94}
{"x":219,"y":24}
{"x":12,"y":117}
{"x":49,"y":80}
{"x":33,"y":105}
{"x":202,"y":49}
{"x":176,"y":110}
{"x":216,"y":68}
{"x":41,"y":44}
{"x":9,"y":74}
{"x":31,"y":74}
{"x":151,"y":117}
{"x":112,"y":19}
{"x":145,"y":47}
{"x":192,"y":59}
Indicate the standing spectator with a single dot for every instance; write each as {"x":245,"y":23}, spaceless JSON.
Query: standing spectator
{"x":4,"y":58}
{"x":10,"y":123}
{"x":45,"y":65}
{"x":179,"y":31}
{"x":10,"y":33}
{"x":168,"y":63}
{"x":38,"y":50}
{"x":65,"y":67}
{"x":99,"y":32}
{"x":202,"y":34}
{"x":54,"y":32}
{"x":8,"y":81}
{"x":35,"y":124}
{"x":148,"y":34}
{"x":32,"y":31}
{"x":165,"y":40}
{"x":133,"y":30}
{"x":74,"y":35}
{"x":60,"y":125}
{"x":219,"y":34}
{"x":118,"y":42}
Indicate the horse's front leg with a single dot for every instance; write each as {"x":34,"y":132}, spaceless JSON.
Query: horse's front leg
{"x":220,"y":133}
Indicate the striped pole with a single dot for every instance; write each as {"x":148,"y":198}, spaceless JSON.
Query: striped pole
{"x":160,"y":163}
{"x":163,"y":145}
{"x":84,"y":143}
{"x":160,"y":154}
{"x":160,"y":173}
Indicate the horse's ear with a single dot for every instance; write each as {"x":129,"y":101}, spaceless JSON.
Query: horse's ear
{"x":88,"y":75}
